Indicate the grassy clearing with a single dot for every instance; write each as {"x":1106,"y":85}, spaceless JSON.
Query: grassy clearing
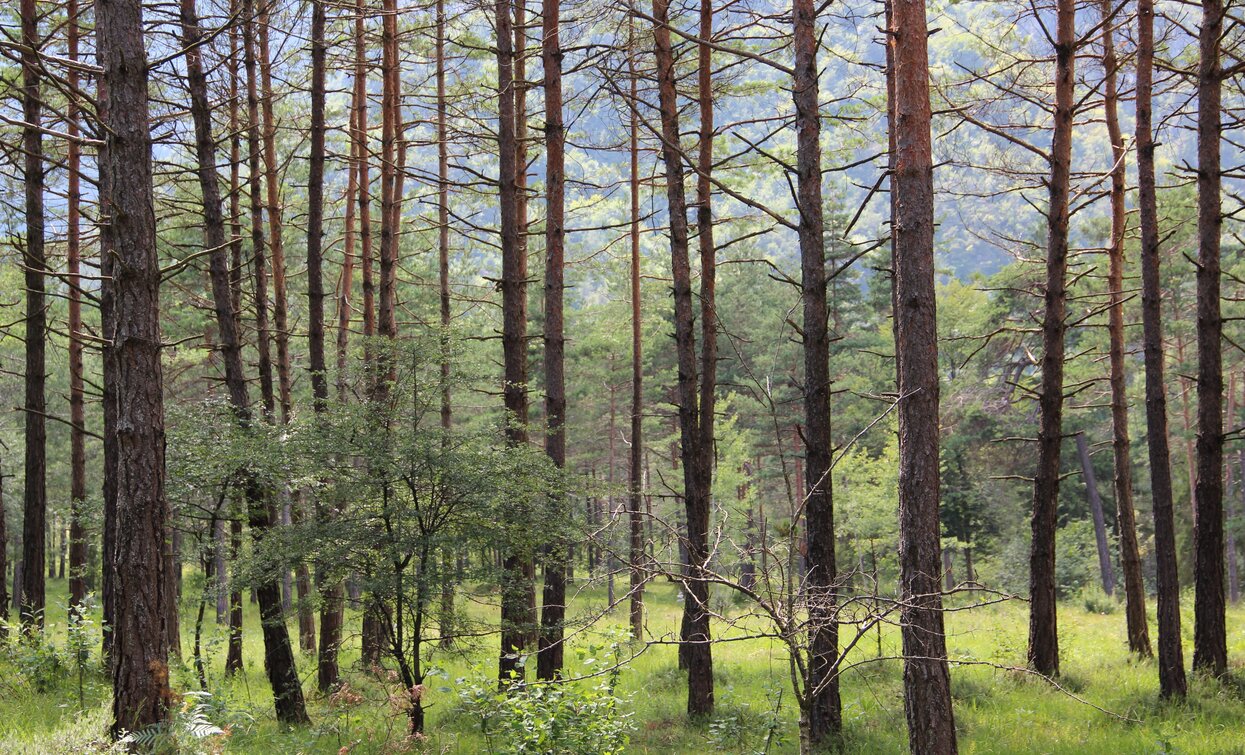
{"x":998,"y":711}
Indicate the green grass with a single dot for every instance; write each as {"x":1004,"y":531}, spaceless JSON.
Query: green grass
{"x":997,"y":711}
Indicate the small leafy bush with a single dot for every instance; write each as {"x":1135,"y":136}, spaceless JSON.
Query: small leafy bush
{"x":573,"y":717}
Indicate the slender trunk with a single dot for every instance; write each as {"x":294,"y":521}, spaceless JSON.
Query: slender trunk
{"x":1043,"y":627}
{"x":287,"y":691}
{"x":220,"y":586}
{"x":331,"y":590}
{"x":697,"y":650}
{"x":517,"y":616}
{"x":1171,"y":654}
{"x":636,"y":466}
{"x":276,"y":240}
{"x":521,"y":220}
{"x":131,"y":272}
{"x":34,"y":262}
{"x":315,"y":302}
{"x":1105,"y":568}
{"x":443,"y":282}
{"x":1234,"y":588}
{"x":365,"y":182}
{"x":233,"y":653}
{"x":315,"y":214}
{"x":553,"y":603}
{"x":77,"y":404}
{"x":1130,"y":555}
{"x":259,"y":258}
{"x":4,"y":567}
{"x":823,"y":708}
{"x":1210,"y":649}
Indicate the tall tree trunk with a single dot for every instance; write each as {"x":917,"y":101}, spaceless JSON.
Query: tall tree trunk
{"x":261,"y":509}
{"x":315,"y":316}
{"x":697,"y":650}
{"x":259,"y":258}
{"x":517,"y":616}
{"x":822,"y":709}
{"x":1105,"y":567}
{"x":233,"y":653}
{"x":276,"y":240}
{"x":446,"y":619}
{"x":636,"y":465}
{"x":4,"y":566}
{"x":1043,"y":626}
{"x":1130,"y":555}
{"x":1210,"y":649}
{"x":695,"y":612}
{"x":553,"y":603}
{"x":927,"y":682}
{"x":287,"y":691}
{"x":131,"y":273}
{"x":365,"y":181}
{"x":331,"y":590}
{"x":521,"y":215}
{"x":1234,"y":587}
{"x":34,"y":521}
{"x":77,"y":403}
{"x":1171,"y":654}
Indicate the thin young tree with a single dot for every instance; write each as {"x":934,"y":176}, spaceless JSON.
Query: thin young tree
{"x":278,"y":655}
{"x":332,"y":593}
{"x":1170,"y":659}
{"x":1043,"y":625}
{"x":73,"y":250}
{"x":553,"y":602}
{"x":135,"y":426}
{"x":443,"y":287}
{"x":1210,"y":649}
{"x":823,"y":708}
{"x":635,"y":467}
{"x":1130,"y":555}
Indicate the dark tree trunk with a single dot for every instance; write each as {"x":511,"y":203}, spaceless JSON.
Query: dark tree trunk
{"x":330,"y":612}
{"x":517,"y":616}
{"x":233,"y":654}
{"x":4,"y":566}
{"x":261,"y":513}
{"x":636,"y":465}
{"x":553,"y":603}
{"x":1210,"y":650}
{"x":697,"y":650}
{"x":315,"y":306}
{"x":446,"y":619}
{"x":1130,"y":555}
{"x":1105,"y":568}
{"x":34,"y":520}
{"x":276,"y":237}
{"x":1043,"y":626}
{"x":1171,"y":655}
{"x":131,"y":272}
{"x":287,"y":691}
{"x":927,"y":681}
{"x":77,"y":403}
{"x":822,"y":708}
{"x":259,"y":259}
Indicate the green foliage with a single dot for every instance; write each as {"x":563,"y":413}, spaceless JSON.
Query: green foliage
{"x":582,"y":716}
{"x":190,"y":731}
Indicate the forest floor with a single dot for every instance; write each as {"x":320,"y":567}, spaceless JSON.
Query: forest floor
{"x":1108,"y":704}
